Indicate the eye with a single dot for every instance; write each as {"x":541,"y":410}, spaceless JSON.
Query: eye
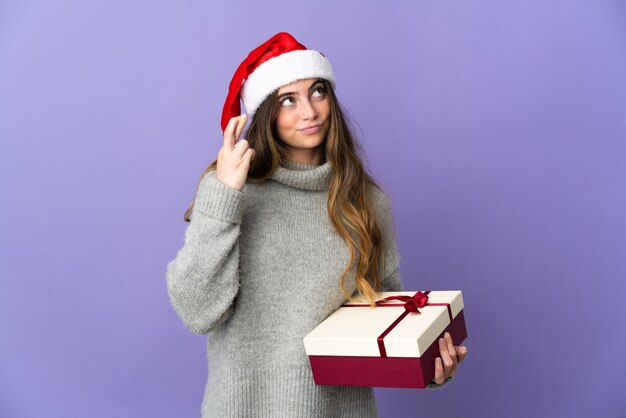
{"x":282,"y":102}
{"x":322,"y":91}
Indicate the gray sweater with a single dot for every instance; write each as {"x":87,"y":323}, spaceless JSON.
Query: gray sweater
{"x":259,"y":269}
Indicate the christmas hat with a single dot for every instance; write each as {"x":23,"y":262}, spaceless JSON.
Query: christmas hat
{"x":279,"y":61}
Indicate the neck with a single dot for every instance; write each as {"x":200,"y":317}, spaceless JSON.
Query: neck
{"x":306,"y":156}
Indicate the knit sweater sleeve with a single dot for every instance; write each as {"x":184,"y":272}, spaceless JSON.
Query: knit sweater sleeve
{"x":203,"y":278}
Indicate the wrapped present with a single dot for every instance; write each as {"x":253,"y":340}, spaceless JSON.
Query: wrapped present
{"x":393,"y":344}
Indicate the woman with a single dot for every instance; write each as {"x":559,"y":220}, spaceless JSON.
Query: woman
{"x":285,"y":227}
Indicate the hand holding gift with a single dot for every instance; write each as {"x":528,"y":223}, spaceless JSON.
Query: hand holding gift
{"x":451,"y":356}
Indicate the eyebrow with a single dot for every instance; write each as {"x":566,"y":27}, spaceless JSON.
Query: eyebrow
{"x":319,"y":80}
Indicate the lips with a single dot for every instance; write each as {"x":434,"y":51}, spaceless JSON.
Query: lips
{"x":311,"y":129}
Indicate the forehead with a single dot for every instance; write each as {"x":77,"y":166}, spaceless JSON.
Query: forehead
{"x":298,"y":85}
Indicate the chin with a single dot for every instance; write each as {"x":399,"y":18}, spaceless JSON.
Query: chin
{"x":313,"y":142}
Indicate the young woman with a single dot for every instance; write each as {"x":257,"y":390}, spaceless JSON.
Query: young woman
{"x":286,"y":226}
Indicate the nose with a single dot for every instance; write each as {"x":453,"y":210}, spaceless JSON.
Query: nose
{"x":308,"y":110}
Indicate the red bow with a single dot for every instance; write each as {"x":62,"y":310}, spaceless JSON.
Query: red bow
{"x":418,"y":300}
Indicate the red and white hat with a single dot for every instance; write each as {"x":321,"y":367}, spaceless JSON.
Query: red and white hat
{"x":277,"y":62}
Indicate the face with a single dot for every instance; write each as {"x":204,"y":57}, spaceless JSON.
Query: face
{"x":303,"y":104}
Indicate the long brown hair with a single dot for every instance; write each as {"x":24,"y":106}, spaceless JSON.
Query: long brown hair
{"x":349,"y":206}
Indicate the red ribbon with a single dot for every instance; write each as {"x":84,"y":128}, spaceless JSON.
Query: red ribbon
{"x":418,"y":300}
{"x":412,"y":304}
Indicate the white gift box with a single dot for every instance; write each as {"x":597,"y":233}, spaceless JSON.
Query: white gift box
{"x":389,"y":345}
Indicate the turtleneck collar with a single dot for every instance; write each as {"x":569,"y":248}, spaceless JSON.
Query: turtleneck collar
{"x":303,"y":176}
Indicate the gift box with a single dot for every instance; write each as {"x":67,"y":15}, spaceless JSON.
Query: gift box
{"x":393,"y":344}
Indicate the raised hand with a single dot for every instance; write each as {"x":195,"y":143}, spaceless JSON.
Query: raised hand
{"x":233,"y":159}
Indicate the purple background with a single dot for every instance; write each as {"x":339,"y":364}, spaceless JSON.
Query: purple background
{"x":497,"y":128}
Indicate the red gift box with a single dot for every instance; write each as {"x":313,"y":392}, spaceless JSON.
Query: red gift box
{"x":392,"y":345}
